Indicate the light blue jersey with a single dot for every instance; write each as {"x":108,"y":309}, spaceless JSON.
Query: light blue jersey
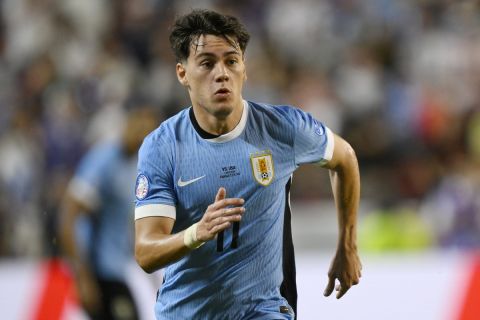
{"x":179,"y":174}
{"x":103,"y":184}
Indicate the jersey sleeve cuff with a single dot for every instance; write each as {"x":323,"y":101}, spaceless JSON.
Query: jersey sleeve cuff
{"x":329,"y":147}
{"x":155,"y":210}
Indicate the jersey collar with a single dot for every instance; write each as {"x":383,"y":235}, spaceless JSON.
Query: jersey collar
{"x":224,"y":137}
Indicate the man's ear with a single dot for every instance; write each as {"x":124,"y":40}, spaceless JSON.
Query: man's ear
{"x":182,"y":74}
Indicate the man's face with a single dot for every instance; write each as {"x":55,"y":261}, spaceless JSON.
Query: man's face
{"x":214,"y":74}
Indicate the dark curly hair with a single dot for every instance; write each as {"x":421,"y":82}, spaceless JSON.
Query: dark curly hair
{"x":188,"y":28}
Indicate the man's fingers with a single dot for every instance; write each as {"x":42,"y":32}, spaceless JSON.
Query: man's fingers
{"x":330,"y":287}
{"x":222,"y":219}
{"x":222,"y":203}
{"x":225,"y":213}
{"x":221,"y":200}
{"x":221,"y":194}
{"x":341,"y":292}
{"x":220,"y":227}
{"x":342,"y":288}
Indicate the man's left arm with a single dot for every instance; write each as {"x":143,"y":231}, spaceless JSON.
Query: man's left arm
{"x":345,"y":180}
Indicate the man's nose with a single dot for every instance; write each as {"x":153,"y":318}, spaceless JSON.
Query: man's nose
{"x":221,"y":72}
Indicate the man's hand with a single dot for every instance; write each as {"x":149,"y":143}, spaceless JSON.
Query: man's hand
{"x":219,"y":215}
{"x":346,"y":267}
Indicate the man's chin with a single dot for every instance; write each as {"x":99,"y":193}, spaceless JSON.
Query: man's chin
{"x":222,"y":111}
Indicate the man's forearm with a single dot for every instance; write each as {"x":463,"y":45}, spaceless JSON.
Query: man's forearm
{"x":155,"y":246}
{"x":345,"y":180}
{"x":153,"y":252}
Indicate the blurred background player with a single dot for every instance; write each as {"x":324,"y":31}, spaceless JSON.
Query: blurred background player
{"x":97,"y":220}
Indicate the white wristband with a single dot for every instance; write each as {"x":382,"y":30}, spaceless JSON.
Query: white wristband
{"x":190,"y":237}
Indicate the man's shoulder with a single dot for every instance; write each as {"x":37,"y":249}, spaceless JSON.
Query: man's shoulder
{"x":167,"y":130}
{"x":262,"y":106}
{"x":274,"y":112}
{"x":272,"y":109}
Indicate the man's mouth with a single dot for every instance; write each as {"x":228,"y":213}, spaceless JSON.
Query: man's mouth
{"x":222,"y":91}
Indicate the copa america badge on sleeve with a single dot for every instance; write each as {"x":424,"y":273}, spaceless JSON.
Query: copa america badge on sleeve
{"x":142,"y":187}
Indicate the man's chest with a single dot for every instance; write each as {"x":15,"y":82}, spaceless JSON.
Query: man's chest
{"x":241,"y":168}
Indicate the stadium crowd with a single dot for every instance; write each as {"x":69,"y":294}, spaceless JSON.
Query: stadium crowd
{"x":398,"y":79}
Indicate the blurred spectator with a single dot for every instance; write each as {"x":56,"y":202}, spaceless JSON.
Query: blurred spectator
{"x":453,"y":207}
{"x":20,"y":185}
{"x":395,"y":227}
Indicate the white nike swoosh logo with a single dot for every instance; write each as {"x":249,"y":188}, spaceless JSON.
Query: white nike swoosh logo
{"x":186,"y":183}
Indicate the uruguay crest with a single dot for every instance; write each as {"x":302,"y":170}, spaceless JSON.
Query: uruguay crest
{"x":262,"y":167}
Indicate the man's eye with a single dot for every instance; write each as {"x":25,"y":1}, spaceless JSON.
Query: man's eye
{"x":232,"y":62}
{"x":206,"y":64}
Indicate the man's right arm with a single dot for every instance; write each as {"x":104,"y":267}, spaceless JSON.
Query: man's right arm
{"x":156,"y":246}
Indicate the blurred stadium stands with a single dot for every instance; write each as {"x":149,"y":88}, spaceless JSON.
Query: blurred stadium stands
{"x":399,"y":80}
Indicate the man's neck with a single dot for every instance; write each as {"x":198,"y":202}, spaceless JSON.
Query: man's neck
{"x":204,"y":134}
{"x":216,"y":126}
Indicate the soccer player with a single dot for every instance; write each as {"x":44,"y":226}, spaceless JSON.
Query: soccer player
{"x":212,"y":187}
{"x":96,"y":226}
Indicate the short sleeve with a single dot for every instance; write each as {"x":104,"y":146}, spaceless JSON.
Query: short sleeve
{"x":154,"y":190}
{"x":314,"y":142}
